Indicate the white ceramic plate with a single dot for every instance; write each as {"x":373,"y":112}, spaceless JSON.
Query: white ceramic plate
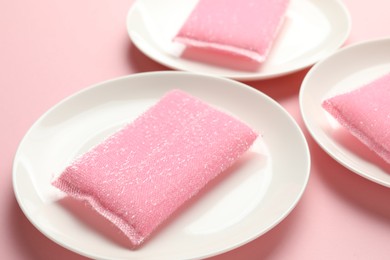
{"x":348,"y":69}
{"x":244,"y":205}
{"x":312,"y":30}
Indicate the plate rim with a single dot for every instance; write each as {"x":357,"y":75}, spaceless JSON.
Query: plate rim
{"x":252,"y":76}
{"x":166,"y":73}
{"x":311,"y":128}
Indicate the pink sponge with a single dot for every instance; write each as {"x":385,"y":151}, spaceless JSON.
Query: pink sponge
{"x":245,"y":28}
{"x":365,"y":112}
{"x":141,"y":174}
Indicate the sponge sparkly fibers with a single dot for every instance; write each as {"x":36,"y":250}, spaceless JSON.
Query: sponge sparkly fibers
{"x":365,"y":112}
{"x":246,"y":28}
{"x":144,"y":172}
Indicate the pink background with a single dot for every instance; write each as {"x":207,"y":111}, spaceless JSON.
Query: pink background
{"x":51,"y":49}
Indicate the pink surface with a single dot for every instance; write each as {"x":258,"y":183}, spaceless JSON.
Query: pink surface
{"x":365,"y":113}
{"x":50,"y":49}
{"x":162,"y":159}
{"x":240,"y":28}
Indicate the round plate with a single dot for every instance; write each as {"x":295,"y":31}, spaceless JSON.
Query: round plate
{"x":312,"y":30}
{"x":347,"y":69}
{"x":244,"y":205}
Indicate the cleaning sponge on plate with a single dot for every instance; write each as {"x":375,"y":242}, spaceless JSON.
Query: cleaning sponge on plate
{"x":144,"y":172}
{"x":365,"y":112}
{"x":245,"y":28}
